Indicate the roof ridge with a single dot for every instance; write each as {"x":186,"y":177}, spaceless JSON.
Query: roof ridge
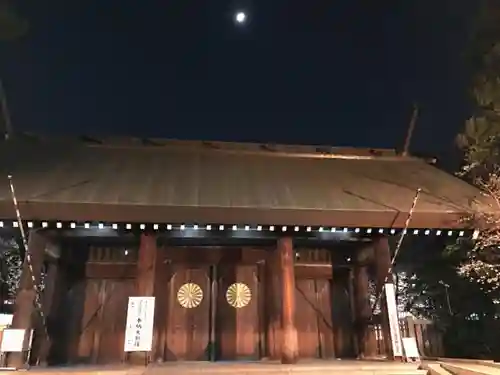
{"x":263,"y":148}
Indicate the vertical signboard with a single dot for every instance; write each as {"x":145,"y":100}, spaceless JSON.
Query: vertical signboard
{"x":392,"y":312}
{"x":140,"y":321}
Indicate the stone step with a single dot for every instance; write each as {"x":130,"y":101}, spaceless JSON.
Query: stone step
{"x":207,"y":368}
{"x":436,"y":369}
{"x":464,"y":368}
{"x":351,"y":368}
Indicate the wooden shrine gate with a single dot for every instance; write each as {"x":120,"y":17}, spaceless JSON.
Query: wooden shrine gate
{"x":223,"y":306}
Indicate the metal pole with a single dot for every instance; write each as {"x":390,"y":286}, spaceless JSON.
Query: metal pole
{"x":398,"y":248}
{"x":8,"y":131}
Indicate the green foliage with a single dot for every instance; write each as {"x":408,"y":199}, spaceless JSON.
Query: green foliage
{"x":463,"y":310}
{"x":480,"y":139}
{"x":10,"y":265}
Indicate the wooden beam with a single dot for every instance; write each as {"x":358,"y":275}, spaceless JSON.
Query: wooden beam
{"x":146,"y":265}
{"x":24,"y":309}
{"x":273,"y":305}
{"x":289,"y":344}
{"x":145,"y":281}
{"x":49,"y":305}
{"x":110,"y":270}
{"x":365,"y":335}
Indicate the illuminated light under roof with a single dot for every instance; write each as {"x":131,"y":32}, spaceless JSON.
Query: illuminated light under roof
{"x":247,"y":227}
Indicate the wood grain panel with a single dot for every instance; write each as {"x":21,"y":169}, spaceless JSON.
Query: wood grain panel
{"x":325,"y":324}
{"x":188,"y":329}
{"x":237,"y":323}
{"x":306,"y":319}
{"x":89,"y":325}
{"x":113,"y":319}
{"x":342,"y":313}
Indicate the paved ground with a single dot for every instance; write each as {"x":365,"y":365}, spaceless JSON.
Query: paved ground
{"x":250,"y":368}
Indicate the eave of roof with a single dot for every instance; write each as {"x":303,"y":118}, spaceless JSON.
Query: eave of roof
{"x":214,"y":182}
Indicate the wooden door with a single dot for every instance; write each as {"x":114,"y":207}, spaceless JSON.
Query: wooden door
{"x":188,"y":314}
{"x":342,"y":314}
{"x":324,"y":314}
{"x":306,"y":319}
{"x":113,"y":319}
{"x":238,"y":317}
{"x":93,"y":315}
{"x":313,"y":318}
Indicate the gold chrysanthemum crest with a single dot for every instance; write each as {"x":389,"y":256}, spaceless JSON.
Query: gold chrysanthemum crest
{"x":238,"y":295}
{"x":190,"y":295}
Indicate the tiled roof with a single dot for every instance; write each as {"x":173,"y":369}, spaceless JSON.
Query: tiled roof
{"x":158,"y":181}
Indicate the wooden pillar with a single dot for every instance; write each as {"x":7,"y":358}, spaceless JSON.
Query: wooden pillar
{"x":273,"y":305}
{"x":146,"y":265}
{"x":145,"y":281}
{"x":24,"y":309}
{"x":49,"y":304}
{"x":382,"y":275}
{"x":366,"y":340}
{"x":289,"y":343}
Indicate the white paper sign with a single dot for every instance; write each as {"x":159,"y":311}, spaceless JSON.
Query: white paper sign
{"x":411,"y":348}
{"x":6,"y":320}
{"x":13,"y":341}
{"x":392,"y":312}
{"x":140,"y":321}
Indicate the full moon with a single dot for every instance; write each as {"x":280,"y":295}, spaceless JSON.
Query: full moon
{"x":240,"y":17}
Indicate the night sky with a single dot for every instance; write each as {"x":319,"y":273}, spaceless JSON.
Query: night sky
{"x":341,"y":72}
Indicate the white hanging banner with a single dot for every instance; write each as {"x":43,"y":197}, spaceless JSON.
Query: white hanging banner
{"x":411,"y":348}
{"x":140,"y":321}
{"x":392,"y":312}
